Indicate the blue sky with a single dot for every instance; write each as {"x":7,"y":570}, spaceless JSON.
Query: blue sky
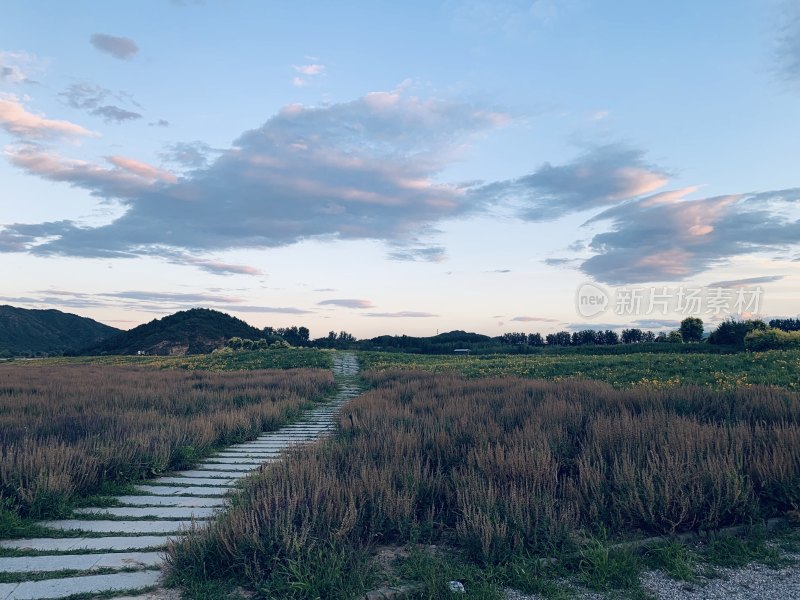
{"x":391,"y":167}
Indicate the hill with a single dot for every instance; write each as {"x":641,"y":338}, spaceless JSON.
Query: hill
{"x":194,"y":331}
{"x":29,"y":332}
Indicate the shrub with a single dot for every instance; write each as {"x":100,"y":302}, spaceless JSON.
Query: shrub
{"x":772,"y":339}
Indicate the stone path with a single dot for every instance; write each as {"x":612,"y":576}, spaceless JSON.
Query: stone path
{"x":126,"y":541}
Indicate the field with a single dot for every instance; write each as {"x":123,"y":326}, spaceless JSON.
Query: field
{"x":720,"y":371}
{"x":65,"y":430}
{"x":503,"y":472}
{"x":463,"y":467}
{"x":292,"y":358}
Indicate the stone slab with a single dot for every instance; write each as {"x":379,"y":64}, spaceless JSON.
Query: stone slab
{"x":119,"y":543}
{"x":240,"y":469}
{"x":248,"y":455}
{"x":80,"y":562}
{"x":192,"y":490}
{"x":170,"y":501}
{"x":70,"y":586}
{"x":157,"y":512}
{"x":124,"y":527}
{"x":201,"y":480}
{"x":209,"y":477}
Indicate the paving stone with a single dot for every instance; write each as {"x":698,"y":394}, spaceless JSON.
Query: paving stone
{"x":198,"y":480}
{"x":170,"y":501}
{"x":231,"y":467}
{"x":80,"y":562}
{"x":119,"y":526}
{"x":157,"y":512}
{"x":119,"y":543}
{"x":70,"y":586}
{"x":209,"y":477}
{"x":191,"y":491}
{"x":248,"y":455}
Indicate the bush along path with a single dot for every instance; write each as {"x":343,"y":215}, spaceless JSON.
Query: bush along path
{"x":118,"y":550}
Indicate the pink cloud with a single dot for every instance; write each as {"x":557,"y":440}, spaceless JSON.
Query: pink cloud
{"x":23,"y":124}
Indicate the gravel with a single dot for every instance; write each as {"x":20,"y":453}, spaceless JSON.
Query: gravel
{"x":752,"y":582}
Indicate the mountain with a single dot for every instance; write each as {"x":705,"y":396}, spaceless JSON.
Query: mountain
{"x":36,"y":332}
{"x":194,"y":331}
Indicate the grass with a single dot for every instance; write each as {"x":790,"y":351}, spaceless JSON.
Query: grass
{"x":281,"y":358}
{"x":720,"y":371}
{"x":499,"y":468}
{"x":70,"y":431}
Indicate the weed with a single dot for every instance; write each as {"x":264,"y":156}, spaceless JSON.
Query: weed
{"x":674,"y":558}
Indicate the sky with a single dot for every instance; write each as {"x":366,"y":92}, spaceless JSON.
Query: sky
{"x":402,"y":167}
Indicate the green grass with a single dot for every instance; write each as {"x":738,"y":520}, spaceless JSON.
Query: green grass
{"x":281,"y":358}
{"x":721,"y":371}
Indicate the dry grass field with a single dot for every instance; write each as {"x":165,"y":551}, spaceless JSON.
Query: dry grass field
{"x":65,"y":430}
{"x":502,"y":468}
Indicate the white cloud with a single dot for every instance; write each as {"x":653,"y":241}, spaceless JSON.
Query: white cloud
{"x":17,"y":121}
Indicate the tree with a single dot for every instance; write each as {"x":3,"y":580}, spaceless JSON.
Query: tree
{"x":691,"y":329}
{"x":535,"y":339}
{"x":610,"y":338}
{"x":732,"y":332}
{"x":675,"y":337}
{"x":514,"y":338}
{"x":562,"y":338}
{"x":632,"y":336}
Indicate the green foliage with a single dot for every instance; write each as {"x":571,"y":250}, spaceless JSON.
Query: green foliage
{"x":602,"y":569}
{"x":691,"y":329}
{"x":319,"y":570}
{"x":675,"y":337}
{"x":674,"y":558}
{"x":194,"y":331}
{"x":771,"y":339}
{"x":35,"y":332}
{"x":733,"y":332}
{"x":660,"y":370}
{"x":219,"y":360}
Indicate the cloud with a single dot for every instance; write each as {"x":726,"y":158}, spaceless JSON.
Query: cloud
{"x":286,"y":310}
{"x":526,"y":319}
{"x":127,"y":179}
{"x":17,"y":121}
{"x":119,"y":47}
{"x":737,"y":283}
{"x":669,"y":237}
{"x":424,"y":254}
{"x":115,"y":114}
{"x":149,"y":296}
{"x":347,"y":303}
{"x":310,"y":70}
{"x":159,"y":123}
{"x":16,"y":67}
{"x":91,"y":98}
{"x":404,"y":314}
{"x":501,"y":271}
{"x":603,"y":176}
{"x":215,"y":267}
{"x":194,"y":155}
{"x":364,"y":169}
{"x":558,"y":262}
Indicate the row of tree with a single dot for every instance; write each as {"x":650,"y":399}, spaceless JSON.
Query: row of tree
{"x":691,"y":330}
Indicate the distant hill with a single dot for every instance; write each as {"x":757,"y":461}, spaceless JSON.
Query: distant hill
{"x":195,"y":331}
{"x":26,"y":332}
